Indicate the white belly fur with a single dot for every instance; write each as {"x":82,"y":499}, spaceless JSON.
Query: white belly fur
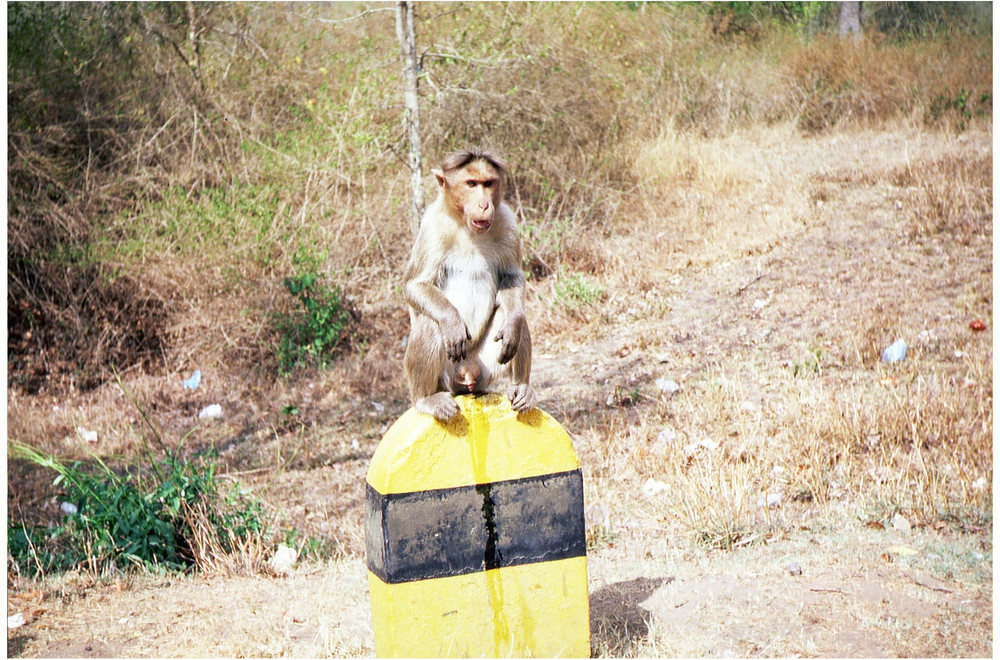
{"x":471,"y":287}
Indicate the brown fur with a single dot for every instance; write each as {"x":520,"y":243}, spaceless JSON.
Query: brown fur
{"x":465,"y":289}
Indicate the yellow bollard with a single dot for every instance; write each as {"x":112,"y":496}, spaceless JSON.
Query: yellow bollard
{"x":475,"y":536}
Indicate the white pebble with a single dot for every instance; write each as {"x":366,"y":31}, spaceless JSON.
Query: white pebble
{"x":212,"y":411}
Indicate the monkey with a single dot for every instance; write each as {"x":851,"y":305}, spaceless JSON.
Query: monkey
{"x":465,"y":290}
{"x":467,"y":377}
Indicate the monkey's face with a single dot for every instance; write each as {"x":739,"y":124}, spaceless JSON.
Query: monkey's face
{"x":475,"y":191}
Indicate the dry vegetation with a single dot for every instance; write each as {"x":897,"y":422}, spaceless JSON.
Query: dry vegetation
{"x":743,"y":206}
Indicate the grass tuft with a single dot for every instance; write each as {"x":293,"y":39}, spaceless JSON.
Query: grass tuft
{"x":170,"y":514}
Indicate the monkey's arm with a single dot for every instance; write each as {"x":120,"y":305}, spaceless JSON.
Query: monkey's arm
{"x":426,"y":298}
{"x":516,"y":338}
{"x":510,"y":297}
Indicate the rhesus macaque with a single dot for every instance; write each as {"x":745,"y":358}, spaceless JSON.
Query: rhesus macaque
{"x":465,"y":288}
{"x":467,"y":377}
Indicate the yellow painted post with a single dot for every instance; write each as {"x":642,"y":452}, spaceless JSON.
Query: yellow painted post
{"x":475,"y":536}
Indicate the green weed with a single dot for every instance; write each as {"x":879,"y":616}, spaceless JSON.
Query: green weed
{"x":577,"y":291}
{"x":313,"y":547}
{"x":124,"y":521}
{"x":170,"y":514}
{"x":213,"y":226}
{"x":811,"y":364}
{"x":311,"y":335}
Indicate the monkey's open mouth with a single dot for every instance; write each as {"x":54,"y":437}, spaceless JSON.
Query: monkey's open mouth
{"x":481,"y":225}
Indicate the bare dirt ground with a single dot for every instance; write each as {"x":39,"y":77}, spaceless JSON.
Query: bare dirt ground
{"x":831,"y":584}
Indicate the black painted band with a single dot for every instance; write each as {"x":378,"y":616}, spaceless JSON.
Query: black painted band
{"x":456,"y":531}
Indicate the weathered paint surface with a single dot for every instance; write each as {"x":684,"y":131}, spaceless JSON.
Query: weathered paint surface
{"x":537,"y":609}
{"x":419,"y":453}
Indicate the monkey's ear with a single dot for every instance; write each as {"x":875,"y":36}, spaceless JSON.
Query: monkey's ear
{"x":439,"y":175}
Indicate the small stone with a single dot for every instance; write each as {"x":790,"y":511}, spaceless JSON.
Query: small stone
{"x":901,"y":524}
{"x":794,"y":568}
{"x":653,"y":487}
{"x":210,"y":412}
{"x":85,"y":435}
{"x":770,"y":501}
{"x":283,"y":560}
{"x":667,"y":386}
{"x":595,"y":516}
{"x":666,"y":436}
{"x":708,"y":445}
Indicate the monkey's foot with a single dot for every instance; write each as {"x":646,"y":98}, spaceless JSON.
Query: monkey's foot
{"x":442,"y":406}
{"x":522,"y":397}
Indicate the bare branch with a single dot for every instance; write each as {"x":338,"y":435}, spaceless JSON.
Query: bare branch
{"x":246,"y":36}
{"x":452,"y":54}
{"x":342,"y":20}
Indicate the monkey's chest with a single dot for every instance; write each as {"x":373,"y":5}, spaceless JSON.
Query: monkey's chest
{"x":471,"y":286}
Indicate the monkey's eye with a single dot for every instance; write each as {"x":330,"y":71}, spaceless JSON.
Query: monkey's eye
{"x":488,"y":184}
{"x":470,"y":183}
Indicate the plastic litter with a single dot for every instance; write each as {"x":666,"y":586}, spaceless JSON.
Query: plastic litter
{"x":193,"y":382}
{"x":896,"y":352}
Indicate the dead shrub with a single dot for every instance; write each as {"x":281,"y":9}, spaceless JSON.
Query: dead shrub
{"x":840,"y":80}
{"x":73,"y":325}
{"x":953,"y":195}
{"x":915,"y":447}
{"x":220,"y":550}
{"x":537,"y":96}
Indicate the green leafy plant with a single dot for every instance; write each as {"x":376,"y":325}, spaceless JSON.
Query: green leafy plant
{"x":118,"y":520}
{"x":314,"y":547}
{"x":170,"y":514}
{"x":576,"y":291}
{"x":311,"y":335}
{"x":109,"y":521}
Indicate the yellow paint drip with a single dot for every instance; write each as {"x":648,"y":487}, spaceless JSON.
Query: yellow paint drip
{"x":543,"y":613}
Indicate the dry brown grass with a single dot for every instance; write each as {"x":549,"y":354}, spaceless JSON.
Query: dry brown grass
{"x":953,"y":196}
{"x":312,"y":122}
{"x":753,"y":219}
{"x":829,"y":424}
{"x":782,"y":391}
{"x":224,"y":553}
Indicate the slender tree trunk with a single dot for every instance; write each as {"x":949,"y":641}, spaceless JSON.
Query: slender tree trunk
{"x":194,"y":38}
{"x":408,"y":46}
{"x":850,"y":19}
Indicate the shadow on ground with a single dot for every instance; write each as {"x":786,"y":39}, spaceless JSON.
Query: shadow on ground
{"x":617,"y":622}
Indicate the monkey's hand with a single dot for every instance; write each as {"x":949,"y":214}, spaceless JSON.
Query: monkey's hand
{"x":522,"y":397}
{"x":455,"y":337}
{"x":441,"y":405}
{"x":510,"y":335}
